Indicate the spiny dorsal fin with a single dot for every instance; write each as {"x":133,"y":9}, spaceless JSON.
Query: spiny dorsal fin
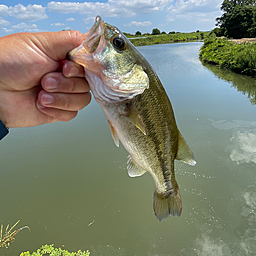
{"x":114,"y":134}
{"x":133,"y":169}
{"x":184,"y":153}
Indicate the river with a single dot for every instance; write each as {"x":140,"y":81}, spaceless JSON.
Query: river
{"x":68,"y":181}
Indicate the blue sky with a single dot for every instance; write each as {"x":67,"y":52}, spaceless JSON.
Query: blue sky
{"x":127,"y":15}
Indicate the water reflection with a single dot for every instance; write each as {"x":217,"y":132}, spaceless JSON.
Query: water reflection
{"x":244,"y":84}
{"x":243,"y":141}
{"x":247,"y":227}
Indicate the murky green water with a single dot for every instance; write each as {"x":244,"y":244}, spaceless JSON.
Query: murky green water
{"x":68,"y":181}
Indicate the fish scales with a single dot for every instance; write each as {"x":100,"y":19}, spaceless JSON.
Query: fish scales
{"x":138,"y":110}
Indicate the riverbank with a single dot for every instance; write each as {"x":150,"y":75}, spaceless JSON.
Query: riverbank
{"x":167,"y":38}
{"x":239,"y":57}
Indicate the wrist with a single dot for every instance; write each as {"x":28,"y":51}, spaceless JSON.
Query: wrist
{"x":3,"y":130}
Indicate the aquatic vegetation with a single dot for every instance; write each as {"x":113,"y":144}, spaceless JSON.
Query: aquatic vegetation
{"x":240,"y":58}
{"x":51,"y":250}
{"x":170,"y":38}
{"x":7,"y":237}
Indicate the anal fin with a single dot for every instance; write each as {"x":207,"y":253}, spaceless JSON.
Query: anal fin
{"x":134,"y":170}
{"x":114,"y":134}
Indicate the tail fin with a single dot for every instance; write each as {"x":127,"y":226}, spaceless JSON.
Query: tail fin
{"x":167,"y":204}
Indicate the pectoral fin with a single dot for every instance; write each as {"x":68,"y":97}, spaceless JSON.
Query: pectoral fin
{"x":184,"y":153}
{"x":114,"y":134}
{"x":133,"y":169}
{"x":137,"y":120}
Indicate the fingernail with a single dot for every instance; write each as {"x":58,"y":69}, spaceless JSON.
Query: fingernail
{"x":73,"y":71}
{"x":51,"y":84}
{"x":47,"y":99}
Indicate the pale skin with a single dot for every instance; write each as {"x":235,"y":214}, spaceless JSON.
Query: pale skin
{"x":37,"y":85}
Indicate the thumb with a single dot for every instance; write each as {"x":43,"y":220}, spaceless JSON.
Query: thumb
{"x":56,"y":45}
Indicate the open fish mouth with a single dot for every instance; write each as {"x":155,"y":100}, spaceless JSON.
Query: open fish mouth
{"x":92,"y":39}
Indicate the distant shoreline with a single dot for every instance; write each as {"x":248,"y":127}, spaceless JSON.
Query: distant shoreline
{"x":167,"y":38}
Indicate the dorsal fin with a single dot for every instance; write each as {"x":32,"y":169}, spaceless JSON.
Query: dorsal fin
{"x":133,"y":169}
{"x":184,"y":153}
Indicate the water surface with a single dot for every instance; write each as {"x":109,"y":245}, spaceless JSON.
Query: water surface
{"x":68,"y":181}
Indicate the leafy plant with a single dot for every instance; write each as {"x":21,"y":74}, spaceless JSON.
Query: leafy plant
{"x":238,"y":19}
{"x":52,"y":251}
{"x":240,"y":58}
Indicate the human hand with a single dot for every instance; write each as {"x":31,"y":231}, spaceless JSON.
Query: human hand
{"x":36,"y":87}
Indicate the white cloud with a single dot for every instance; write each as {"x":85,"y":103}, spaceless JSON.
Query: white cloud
{"x":4,"y":22}
{"x":70,"y":19}
{"x":3,"y":9}
{"x":198,"y":11}
{"x":112,"y":8}
{"x":139,"y":24}
{"x":6,"y":30}
{"x":25,"y":27}
{"x":89,"y":20}
{"x":195,"y":6}
{"x":31,"y":12}
{"x":58,"y":24}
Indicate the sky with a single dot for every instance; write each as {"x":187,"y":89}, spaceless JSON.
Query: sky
{"x":128,"y":15}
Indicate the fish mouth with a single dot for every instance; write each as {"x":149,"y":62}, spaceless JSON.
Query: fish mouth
{"x":92,"y":40}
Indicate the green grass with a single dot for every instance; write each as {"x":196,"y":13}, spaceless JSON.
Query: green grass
{"x":168,"y":38}
{"x":240,"y":58}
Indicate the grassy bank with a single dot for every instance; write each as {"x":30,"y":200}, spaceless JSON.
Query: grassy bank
{"x":240,"y":58}
{"x":168,"y":38}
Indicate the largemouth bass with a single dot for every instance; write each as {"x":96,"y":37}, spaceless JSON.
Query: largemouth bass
{"x":138,"y":111}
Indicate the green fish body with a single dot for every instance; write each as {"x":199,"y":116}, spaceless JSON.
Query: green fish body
{"x":138,"y":111}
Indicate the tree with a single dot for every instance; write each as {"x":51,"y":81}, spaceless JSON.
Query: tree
{"x":217,"y":32}
{"x":238,"y":19}
{"x":138,"y":33}
{"x":155,"y":31}
{"x":240,"y":22}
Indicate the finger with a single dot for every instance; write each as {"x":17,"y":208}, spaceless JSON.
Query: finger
{"x":72,"y":69}
{"x":56,"y":82}
{"x":64,"y":101}
{"x":58,"y":44}
{"x":57,"y":114}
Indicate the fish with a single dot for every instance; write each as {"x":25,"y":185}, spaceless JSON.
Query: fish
{"x":138,"y":111}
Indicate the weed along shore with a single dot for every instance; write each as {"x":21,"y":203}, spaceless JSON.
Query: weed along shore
{"x":238,"y":56}
{"x":172,"y":37}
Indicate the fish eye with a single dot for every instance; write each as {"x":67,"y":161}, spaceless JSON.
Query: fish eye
{"x":118,"y":43}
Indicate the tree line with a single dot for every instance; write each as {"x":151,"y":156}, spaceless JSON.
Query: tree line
{"x":238,"y":19}
{"x":156,"y":31}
